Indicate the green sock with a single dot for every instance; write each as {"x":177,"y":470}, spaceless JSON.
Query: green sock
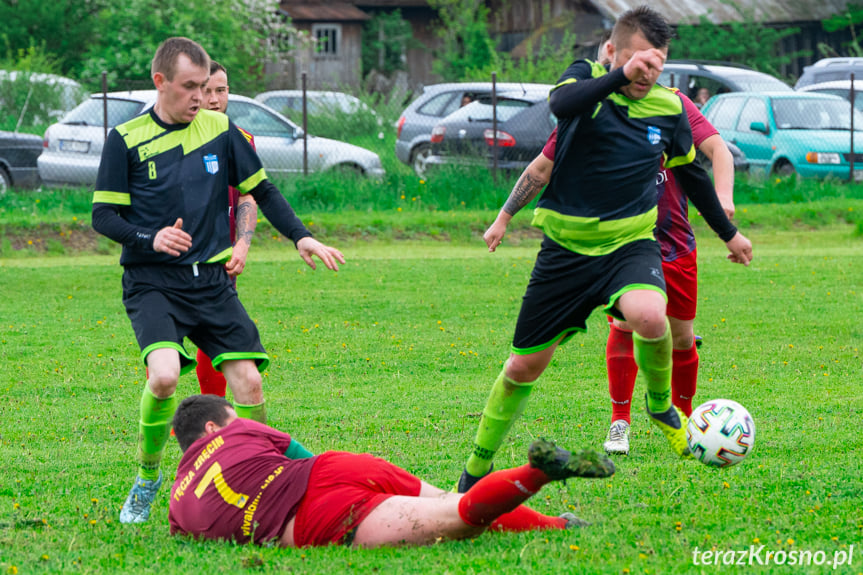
{"x":258,"y":412}
{"x":154,"y":429}
{"x":653,"y":358}
{"x":297,"y":451}
{"x":505,"y":404}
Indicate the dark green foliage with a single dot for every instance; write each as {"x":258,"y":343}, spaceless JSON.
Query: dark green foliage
{"x":851,"y":19}
{"x":465,"y":41}
{"x":386,"y":39}
{"x":747,"y":42}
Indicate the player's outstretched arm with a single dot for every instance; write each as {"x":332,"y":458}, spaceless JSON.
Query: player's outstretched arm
{"x":309,"y":247}
{"x":531,"y":182}
{"x":247,"y":220}
{"x":720,"y":156}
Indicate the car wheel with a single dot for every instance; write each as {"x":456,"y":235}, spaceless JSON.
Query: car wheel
{"x":418,"y":159}
{"x":5,"y":182}
{"x":783,"y":168}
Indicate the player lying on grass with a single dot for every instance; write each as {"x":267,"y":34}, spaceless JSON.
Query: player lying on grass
{"x":235,"y":481}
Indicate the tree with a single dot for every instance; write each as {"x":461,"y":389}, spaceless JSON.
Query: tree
{"x":63,"y":28}
{"x":386,"y":39}
{"x":241,"y":34}
{"x":850,"y":19}
{"x":466,"y":43}
{"x":747,"y":42}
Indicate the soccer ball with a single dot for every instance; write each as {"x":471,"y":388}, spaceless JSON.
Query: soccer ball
{"x":720,"y":433}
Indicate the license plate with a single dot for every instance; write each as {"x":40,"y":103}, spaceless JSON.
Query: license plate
{"x":858,"y":175}
{"x":74,"y":146}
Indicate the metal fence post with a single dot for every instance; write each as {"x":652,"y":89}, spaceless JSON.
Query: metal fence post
{"x":494,"y":126}
{"x":851,"y":157}
{"x":104,"y":105}
{"x":305,"y":131}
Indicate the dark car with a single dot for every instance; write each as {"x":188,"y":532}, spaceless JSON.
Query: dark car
{"x":692,"y":76}
{"x":741,"y":164}
{"x":18,"y":154}
{"x":467,"y":137}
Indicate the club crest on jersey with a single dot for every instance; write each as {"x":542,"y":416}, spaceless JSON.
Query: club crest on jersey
{"x":211,"y":163}
{"x":654,"y":134}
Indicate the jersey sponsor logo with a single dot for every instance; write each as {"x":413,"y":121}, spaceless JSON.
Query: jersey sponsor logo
{"x":211,"y":163}
{"x":661,"y":177}
{"x":654,"y":135}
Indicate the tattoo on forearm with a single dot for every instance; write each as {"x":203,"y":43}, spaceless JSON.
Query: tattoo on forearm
{"x":524,"y":191}
{"x":247,"y":219}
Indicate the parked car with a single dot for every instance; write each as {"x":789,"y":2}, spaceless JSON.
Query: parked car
{"x":839,"y":88}
{"x":467,"y":137}
{"x":73,"y":147}
{"x":830,"y":70}
{"x":690,"y":76}
{"x":413,"y":142}
{"x":741,"y":164}
{"x":787,"y":132}
{"x":50,"y":97}
{"x":289,"y":102}
{"x":18,"y":153}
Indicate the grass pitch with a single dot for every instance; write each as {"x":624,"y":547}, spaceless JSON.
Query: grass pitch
{"x":395,"y":355}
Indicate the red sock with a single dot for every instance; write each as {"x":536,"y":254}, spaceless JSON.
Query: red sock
{"x":498,"y":493}
{"x":526,"y":519}
{"x":620,"y":363}
{"x":211,"y":381}
{"x":684,"y":378}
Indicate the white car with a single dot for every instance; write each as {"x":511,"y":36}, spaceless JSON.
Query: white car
{"x":839,"y":88}
{"x":73,"y":147}
{"x":317,"y":101}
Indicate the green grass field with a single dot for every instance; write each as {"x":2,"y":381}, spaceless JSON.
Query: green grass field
{"x":394,"y":355}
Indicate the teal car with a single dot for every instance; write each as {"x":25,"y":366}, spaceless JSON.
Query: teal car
{"x":784,"y":133}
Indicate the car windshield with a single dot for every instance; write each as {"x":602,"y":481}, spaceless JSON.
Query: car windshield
{"x":814,"y":114}
{"x":481,"y":110}
{"x":258,"y":120}
{"x":844,"y":93}
{"x":91,"y":112}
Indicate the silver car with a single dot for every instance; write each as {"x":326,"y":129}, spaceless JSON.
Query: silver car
{"x":413,"y":143}
{"x":73,"y":147}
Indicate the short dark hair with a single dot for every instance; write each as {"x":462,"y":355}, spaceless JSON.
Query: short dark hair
{"x":192,"y":416}
{"x":646,"y":20}
{"x":216,"y":67}
{"x":165,"y":59}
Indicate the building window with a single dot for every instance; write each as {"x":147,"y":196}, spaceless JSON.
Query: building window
{"x":328,"y":38}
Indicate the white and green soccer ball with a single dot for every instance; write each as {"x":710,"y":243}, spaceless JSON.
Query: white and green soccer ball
{"x":720,"y":433}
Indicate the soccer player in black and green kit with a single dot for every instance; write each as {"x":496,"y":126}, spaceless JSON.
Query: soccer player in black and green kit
{"x":598,"y":214}
{"x":161,"y":192}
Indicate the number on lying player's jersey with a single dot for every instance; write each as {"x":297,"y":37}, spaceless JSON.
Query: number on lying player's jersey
{"x":214,"y":476}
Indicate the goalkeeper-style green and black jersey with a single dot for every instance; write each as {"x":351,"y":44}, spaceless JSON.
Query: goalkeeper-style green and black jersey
{"x":154,"y":173}
{"x":602,"y":191}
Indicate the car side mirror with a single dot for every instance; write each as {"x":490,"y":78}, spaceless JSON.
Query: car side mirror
{"x":759,"y":127}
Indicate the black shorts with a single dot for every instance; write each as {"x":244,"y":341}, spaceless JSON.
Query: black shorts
{"x":169,"y":303}
{"x":565,"y":288}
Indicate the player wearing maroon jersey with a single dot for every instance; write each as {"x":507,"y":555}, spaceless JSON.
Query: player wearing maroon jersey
{"x":237,"y":481}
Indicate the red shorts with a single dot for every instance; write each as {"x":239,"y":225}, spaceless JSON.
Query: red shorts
{"x":681,"y":286}
{"x":343,"y":489}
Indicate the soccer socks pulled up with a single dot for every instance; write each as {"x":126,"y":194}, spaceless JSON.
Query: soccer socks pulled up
{"x":523,"y":518}
{"x":505,"y":404}
{"x":653,"y":357}
{"x":622,"y":371}
{"x":153,"y":431}
{"x":500,"y":493}
{"x":257,"y":412}
{"x":684,"y":378}
{"x":211,"y":381}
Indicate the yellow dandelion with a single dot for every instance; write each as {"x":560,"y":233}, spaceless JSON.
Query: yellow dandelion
{"x":574,"y":547}
{"x":29,"y":242}
{"x":398,"y":209}
{"x":92,"y":522}
{"x":790,"y":541}
{"x":16,"y":506}
{"x":756,"y":541}
{"x":44,"y":557}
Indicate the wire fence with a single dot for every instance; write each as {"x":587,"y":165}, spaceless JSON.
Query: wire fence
{"x":498,"y":125}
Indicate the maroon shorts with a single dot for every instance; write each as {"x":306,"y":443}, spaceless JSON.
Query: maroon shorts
{"x":681,"y":285}
{"x":343,"y":489}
